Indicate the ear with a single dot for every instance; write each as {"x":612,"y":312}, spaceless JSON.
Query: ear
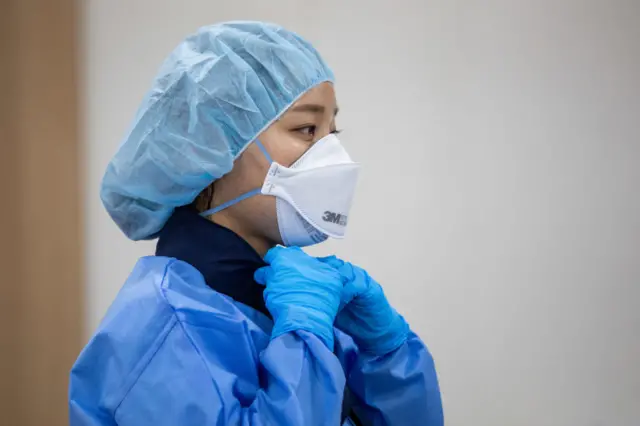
{"x":204,"y":200}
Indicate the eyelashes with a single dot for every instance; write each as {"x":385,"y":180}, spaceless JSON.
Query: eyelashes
{"x":310,"y":131}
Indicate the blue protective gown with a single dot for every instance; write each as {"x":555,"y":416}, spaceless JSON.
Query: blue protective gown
{"x":172,"y":351}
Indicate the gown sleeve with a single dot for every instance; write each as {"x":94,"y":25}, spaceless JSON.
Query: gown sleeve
{"x":399,"y":388}
{"x":303,"y":383}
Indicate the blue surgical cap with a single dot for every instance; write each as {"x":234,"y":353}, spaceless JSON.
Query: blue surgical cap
{"x":213,"y":95}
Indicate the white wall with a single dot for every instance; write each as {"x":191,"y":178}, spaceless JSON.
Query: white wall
{"x":499,"y":204}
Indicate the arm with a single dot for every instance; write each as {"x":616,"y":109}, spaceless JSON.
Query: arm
{"x":297,"y":380}
{"x":391,"y":372}
{"x":398,"y":388}
{"x":305,"y":384}
{"x":302,"y":384}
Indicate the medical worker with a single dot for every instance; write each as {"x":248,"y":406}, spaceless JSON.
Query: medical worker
{"x":233,"y":163}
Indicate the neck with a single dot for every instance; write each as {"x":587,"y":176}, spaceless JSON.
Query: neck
{"x":259,"y":243}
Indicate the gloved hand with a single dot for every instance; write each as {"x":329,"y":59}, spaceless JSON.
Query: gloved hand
{"x":302,"y":293}
{"x":366,"y":314}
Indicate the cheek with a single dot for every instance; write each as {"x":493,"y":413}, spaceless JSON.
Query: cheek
{"x":248,"y":173}
{"x":267,"y":210}
{"x":285,"y":148}
{"x":260,"y":211}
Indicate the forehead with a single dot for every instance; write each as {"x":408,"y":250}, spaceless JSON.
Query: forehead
{"x":322,"y":95}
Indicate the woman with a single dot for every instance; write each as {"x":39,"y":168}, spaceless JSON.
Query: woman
{"x":233,"y":163}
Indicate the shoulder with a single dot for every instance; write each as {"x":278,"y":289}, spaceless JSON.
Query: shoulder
{"x":155,"y":306}
{"x":135,"y":322}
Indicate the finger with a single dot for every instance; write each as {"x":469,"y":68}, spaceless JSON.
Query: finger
{"x":349,"y":292}
{"x":263,"y":275}
{"x":332,"y":261}
{"x":345,"y":269}
{"x":287,"y":256}
{"x":273,"y":254}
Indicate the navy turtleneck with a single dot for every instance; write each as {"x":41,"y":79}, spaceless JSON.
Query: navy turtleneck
{"x":226,"y":261}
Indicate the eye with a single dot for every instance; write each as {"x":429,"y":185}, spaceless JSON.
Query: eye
{"x":336,"y":132}
{"x":307,"y":132}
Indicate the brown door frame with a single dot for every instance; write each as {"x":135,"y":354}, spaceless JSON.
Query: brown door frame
{"x":41,"y":255}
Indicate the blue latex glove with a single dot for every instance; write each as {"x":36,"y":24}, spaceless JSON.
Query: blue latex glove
{"x":366,"y":314}
{"x":302,"y":293}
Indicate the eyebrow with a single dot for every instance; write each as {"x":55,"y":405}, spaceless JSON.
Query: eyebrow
{"x":314,"y":108}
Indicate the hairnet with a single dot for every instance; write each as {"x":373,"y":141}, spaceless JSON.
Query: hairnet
{"x":213,"y":95}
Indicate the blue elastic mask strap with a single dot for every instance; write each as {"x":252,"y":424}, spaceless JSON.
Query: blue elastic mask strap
{"x":231,"y":202}
{"x":243,"y":196}
{"x":264,"y":151}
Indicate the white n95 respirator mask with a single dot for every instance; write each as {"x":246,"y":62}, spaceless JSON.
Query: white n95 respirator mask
{"x":313,"y":195}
